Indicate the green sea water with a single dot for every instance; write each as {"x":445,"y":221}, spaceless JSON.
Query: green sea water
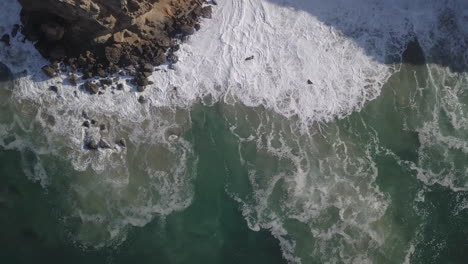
{"x":387,"y":184}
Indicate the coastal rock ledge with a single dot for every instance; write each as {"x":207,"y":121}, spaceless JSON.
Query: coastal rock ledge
{"x":101,"y":37}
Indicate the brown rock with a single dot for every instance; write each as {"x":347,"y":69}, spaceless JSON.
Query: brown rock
{"x":142,"y":99}
{"x":121,"y":142}
{"x":91,"y":144}
{"x":206,"y":12}
{"x":49,"y":71}
{"x":104,"y":144}
{"x":187,"y":30}
{"x":73,"y":79}
{"x":106,"y":35}
{"x":113,"y":54}
{"x":101,"y":72}
{"x":91,"y":87}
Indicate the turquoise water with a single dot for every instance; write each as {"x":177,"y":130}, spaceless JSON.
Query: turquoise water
{"x":387,"y":184}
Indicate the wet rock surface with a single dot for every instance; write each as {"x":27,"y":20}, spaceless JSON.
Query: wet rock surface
{"x":101,"y":44}
{"x":102,"y":37}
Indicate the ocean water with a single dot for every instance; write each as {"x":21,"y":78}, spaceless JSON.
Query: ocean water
{"x":235,"y":161}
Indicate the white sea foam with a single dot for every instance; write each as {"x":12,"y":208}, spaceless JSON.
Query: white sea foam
{"x":342,"y":47}
{"x":442,"y":128}
{"x":110,"y":189}
{"x":323,"y":185}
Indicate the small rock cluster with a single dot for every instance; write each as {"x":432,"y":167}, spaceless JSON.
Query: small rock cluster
{"x":95,"y":135}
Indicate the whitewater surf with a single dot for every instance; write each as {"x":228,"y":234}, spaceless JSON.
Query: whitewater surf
{"x":324,"y":138}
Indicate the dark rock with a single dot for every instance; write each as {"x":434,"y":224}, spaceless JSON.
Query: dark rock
{"x":86,"y":124}
{"x":413,"y":53}
{"x":142,"y":99}
{"x":15,"y":30}
{"x":53,"y":88}
{"x":175,"y":48}
{"x":121,"y":142}
{"x":103,"y":36}
{"x":91,"y":87}
{"x":141,"y":81}
{"x":160,"y":58}
{"x":309,"y":82}
{"x":49,"y":71}
{"x":87,"y":75}
{"x":104,"y":144}
{"x":130,"y":70}
{"x":187,"y":30}
{"x":102,"y":127}
{"x":93,"y":122}
{"x":120,"y":86}
{"x":101,"y":72}
{"x":173,"y":58}
{"x":249,"y":58}
{"x":6,"y":39}
{"x":106,"y":81}
{"x":197,"y":12}
{"x":73,"y":79}
{"x":147,"y":68}
{"x":50,"y":120}
{"x":114,"y":69}
{"x":206,"y":12}
{"x":91,"y":144}
{"x":185,"y":38}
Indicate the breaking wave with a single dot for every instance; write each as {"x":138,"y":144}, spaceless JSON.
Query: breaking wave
{"x":313,"y":62}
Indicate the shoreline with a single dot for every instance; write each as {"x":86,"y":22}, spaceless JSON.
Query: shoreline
{"x":148,"y":35}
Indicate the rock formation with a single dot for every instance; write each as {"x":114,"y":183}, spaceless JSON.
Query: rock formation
{"x":100,"y":37}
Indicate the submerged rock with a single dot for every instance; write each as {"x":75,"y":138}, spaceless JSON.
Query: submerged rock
{"x":53,"y":88}
{"x":91,"y":144}
{"x":104,"y":144}
{"x":142,"y":99}
{"x":91,"y":87}
{"x":73,"y":79}
{"x":121,"y":142}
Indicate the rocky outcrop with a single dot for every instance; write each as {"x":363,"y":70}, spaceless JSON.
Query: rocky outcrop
{"x":107,"y":39}
{"x":100,"y":37}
